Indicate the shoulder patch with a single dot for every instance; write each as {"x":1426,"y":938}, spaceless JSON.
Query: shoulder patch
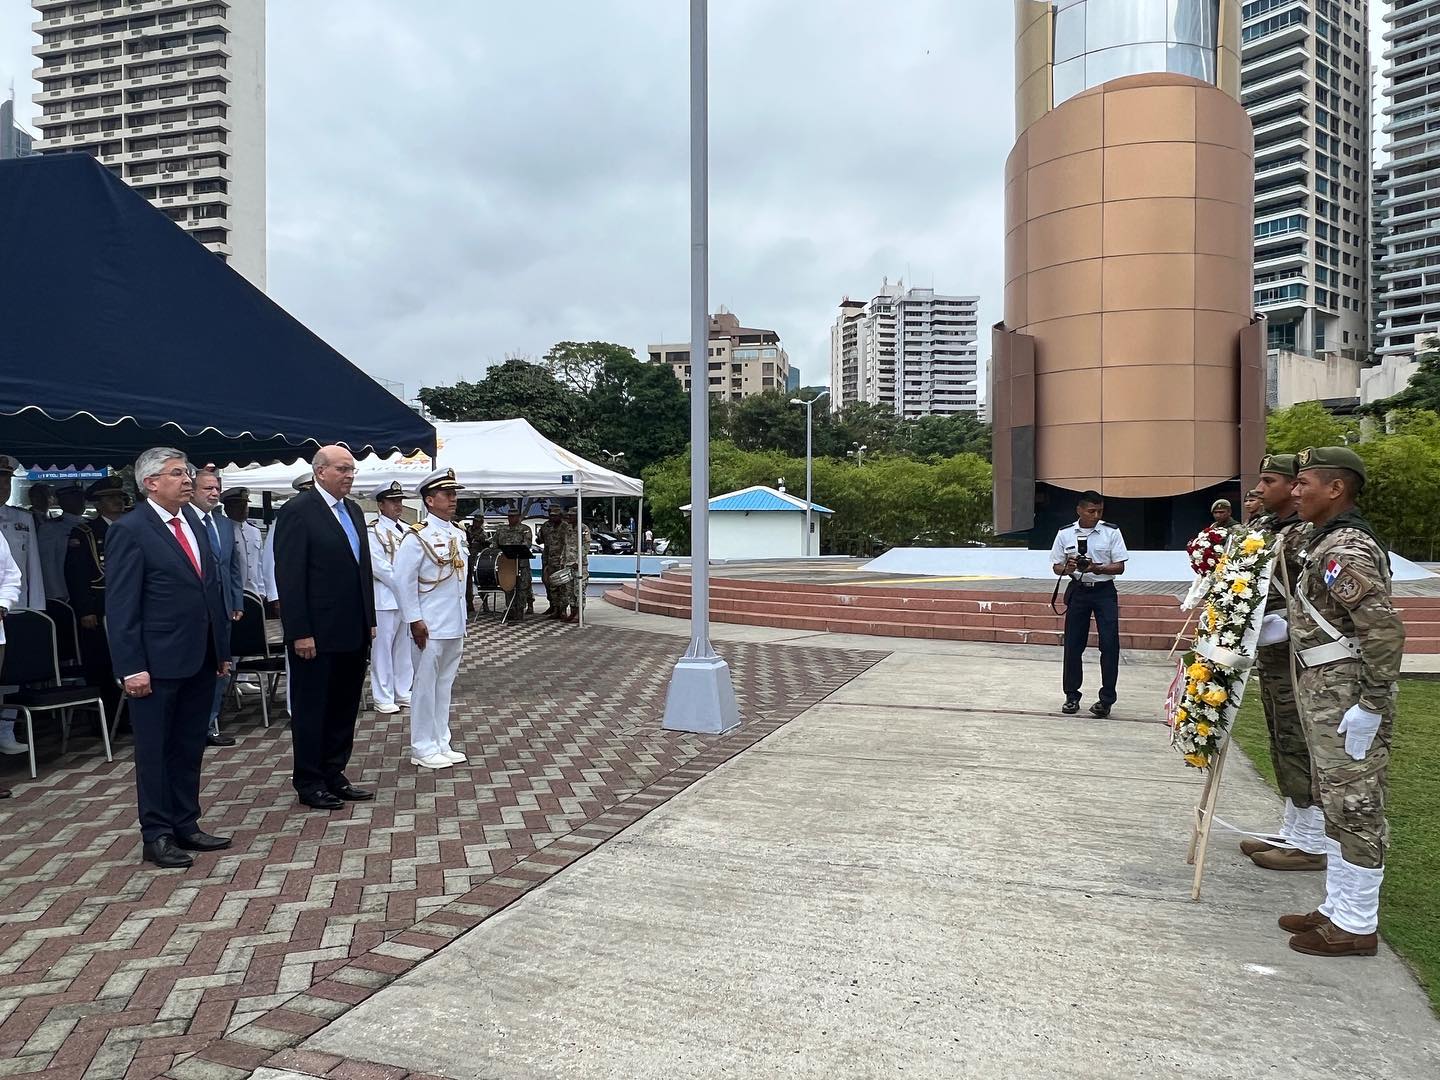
{"x":74,"y":541}
{"x":1346,"y":585}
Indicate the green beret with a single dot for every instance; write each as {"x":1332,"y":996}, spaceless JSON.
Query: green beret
{"x":1279,"y":464}
{"x":1330,"y":457}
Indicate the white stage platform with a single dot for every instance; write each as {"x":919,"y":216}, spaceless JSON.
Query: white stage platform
{"x":1022,"y":563}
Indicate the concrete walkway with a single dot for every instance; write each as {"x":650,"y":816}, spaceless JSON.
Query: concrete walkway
{"x":930,"y":873}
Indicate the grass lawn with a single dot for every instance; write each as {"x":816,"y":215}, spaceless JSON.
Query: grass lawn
{"x":1410,"y":899}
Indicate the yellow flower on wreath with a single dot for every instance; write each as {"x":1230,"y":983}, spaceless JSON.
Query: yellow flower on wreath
{"x":1220,"y":564}
{"x":1200,"y":761}
{"x":1202,"y":730}
{"x":1198,"y":672}
{"x":1215,"y":697}
{"x":1239,"y":585}
{"x":1252,"y":544}
{"x":1181,"y":716}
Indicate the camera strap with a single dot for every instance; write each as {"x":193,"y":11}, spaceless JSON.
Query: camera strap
{"x":1056,"y":595}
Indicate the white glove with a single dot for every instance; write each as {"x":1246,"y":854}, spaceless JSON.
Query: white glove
{"x":1359,"y":726}
{"x":1274,"y":629}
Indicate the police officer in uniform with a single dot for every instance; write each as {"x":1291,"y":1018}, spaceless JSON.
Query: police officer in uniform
{"x":515,"y":534}
{"x":1303,"y":825}
{"x":1348,"y":642}
{"x":391,"y":668}
{"x":17,"y":526}
{"x":55,"y":538}
{"x":1093,"y":553}
{"x":430,"y":589}
{"x":85,"y":583}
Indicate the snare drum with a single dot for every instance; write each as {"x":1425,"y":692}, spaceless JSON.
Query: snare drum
{"x":563,"y":576}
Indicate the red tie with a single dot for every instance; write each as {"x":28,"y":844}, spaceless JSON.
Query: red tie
{"x":184,"y":543}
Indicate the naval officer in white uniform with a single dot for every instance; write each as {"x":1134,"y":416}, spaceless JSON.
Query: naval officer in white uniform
{"x":430,"y":588}
{"x":391,"y":667}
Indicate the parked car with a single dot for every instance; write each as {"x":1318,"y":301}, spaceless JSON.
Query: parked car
{"x":603,"y":542}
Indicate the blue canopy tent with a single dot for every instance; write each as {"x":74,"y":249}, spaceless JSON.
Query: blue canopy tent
{"x":118,"y":332}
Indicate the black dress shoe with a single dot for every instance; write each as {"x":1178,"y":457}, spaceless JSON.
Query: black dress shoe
{"x":351,"y":793}
{"x":321,"y":800}
{"x":202,"y":841}
{"x":1070,"y":708}
{"x":219,"y":740}
{"x":4,"y":793}
{"x":165,"y":854}
{"x":1100,"y":710}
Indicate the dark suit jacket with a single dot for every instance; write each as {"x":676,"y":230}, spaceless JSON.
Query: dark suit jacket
{"x":159,"y":614}
{"x":325,"y":592}
{"x":232,"y":561}
{"x":85,"y":567}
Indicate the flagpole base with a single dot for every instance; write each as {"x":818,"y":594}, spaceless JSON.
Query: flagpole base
{"x":701,"y":699}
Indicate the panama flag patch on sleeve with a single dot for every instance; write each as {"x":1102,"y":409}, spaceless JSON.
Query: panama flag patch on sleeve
{"x":1332,"y":571}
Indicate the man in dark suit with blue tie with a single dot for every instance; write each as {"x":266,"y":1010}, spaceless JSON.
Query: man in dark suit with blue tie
{"x":169,"y":636}
{"x":327,"y":609}
{"x":220,"y":530}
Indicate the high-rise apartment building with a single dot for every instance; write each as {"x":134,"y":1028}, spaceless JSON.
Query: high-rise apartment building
{"x":170,"y":96}
{"x":911,"y":350}
{"x":15,"y":141}
{"x":1408,"y":306}
{"x":1305,"y":81}
{"x":743,"y":360}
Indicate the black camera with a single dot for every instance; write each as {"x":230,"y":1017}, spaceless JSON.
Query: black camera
{"x":1083,"y":562}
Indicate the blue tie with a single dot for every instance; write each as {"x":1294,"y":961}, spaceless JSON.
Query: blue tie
{"x":214,"y":536}
{"x":349,"y":527}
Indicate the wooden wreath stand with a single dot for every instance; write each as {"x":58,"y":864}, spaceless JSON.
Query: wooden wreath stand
{"x":1204,"y":815}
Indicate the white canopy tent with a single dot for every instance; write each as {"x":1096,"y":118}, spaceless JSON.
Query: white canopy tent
{"x":490,"y":457}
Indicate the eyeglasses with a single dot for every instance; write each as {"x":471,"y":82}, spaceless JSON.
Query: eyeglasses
{"x":178,"y":472}
{"x":344,"y":470}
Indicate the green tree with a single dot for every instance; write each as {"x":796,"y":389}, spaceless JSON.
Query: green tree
{"x":578,"y":366}
{"x":1288,"y":431}
{"x":638,"y":409}
{"x":1423,"y":390}
{"x":516,"y":388}
{"x":933,"y":437}
{"x":768,"y":421}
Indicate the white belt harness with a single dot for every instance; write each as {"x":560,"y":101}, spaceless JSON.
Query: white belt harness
{"x":1342,"y":648}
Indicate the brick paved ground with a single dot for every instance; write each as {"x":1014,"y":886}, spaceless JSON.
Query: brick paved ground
{"x":111,"y":969}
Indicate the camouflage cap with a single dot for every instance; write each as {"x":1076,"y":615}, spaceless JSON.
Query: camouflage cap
{"x":1279,"y":464}
{"x":1330,"y":457}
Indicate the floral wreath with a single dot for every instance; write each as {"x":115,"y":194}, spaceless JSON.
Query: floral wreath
{"x":1206,"y":692}
{"x":1207,"y":549}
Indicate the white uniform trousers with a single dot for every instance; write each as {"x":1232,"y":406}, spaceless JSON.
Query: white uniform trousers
{"x":436,"y":666}
{"x":391,"y":668}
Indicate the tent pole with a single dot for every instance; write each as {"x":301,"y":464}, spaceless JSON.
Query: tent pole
{"x":585,"y":555}
{"x":635,"y":539}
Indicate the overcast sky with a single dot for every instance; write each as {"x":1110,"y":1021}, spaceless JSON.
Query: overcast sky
{"x":456,"y":180}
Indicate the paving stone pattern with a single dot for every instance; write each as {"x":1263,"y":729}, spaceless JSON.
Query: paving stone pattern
{"x":110,"y":968}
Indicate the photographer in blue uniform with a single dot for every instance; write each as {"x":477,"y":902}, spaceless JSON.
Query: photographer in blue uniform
{"x":1092,"y":553}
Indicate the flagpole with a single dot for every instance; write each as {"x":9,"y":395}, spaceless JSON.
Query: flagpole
{"x":701,"y":698}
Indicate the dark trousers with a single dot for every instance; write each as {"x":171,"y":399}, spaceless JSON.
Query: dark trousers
{"x":324,"y":701}
{"x":1081,"y":603}
{"x":169,"y":726}
{"x":95,"y":660}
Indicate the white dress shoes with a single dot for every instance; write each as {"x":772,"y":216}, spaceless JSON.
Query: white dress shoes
{"x":13,"y":746}
{"x":387,"y":708}
{"x":455,"y":757}
{"x":435,"y":761}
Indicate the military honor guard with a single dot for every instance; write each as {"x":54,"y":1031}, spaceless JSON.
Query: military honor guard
{"x":514,"y":540}
{"x":430,"y":588}
{"x":236,"y":504}
{"x":1302,"y":827}
{"x":1348,"y":642}
{"x":391,"y":666}
{"x":54,"y":533}
{"x":17,"y":527}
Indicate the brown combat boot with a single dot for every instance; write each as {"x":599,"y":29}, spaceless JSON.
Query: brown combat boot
{"x":1288,"y":859}
{"x":1301,"y":924}
{"x":1330,"y":940}
{"x":1251,"y":846}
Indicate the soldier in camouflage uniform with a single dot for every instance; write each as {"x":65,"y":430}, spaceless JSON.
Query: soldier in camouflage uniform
{"x":1348,"y":642}
{"x":549,"y":538}
{"x":513,"y":533}
{"x":1303,"y":826}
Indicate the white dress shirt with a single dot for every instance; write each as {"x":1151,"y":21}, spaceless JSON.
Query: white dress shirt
{"x":1104,"y":545}
{"x":166,"y":516}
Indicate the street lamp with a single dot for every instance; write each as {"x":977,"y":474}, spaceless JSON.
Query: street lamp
{"x":809,"y":459}
{"x":701,"y":697}
{"x":858,"y":453}
{"x":612,"y":458}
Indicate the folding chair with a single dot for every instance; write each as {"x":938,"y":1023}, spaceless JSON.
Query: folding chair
{"x":250,"y":645}
{"x":32,"y":663}
{"x":67,"y":638}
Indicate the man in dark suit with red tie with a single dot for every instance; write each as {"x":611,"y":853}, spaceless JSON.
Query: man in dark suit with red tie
{"x":169,"y":634}
{"x":327,"y":609}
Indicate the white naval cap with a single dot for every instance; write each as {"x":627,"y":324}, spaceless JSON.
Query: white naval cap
{"x":303,"y":482}
{"x":439,"y":480}
{"x":8,"y":465}
{"x":392,"y":490}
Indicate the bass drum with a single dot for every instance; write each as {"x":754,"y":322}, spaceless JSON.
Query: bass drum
{"x":485,"y":576}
